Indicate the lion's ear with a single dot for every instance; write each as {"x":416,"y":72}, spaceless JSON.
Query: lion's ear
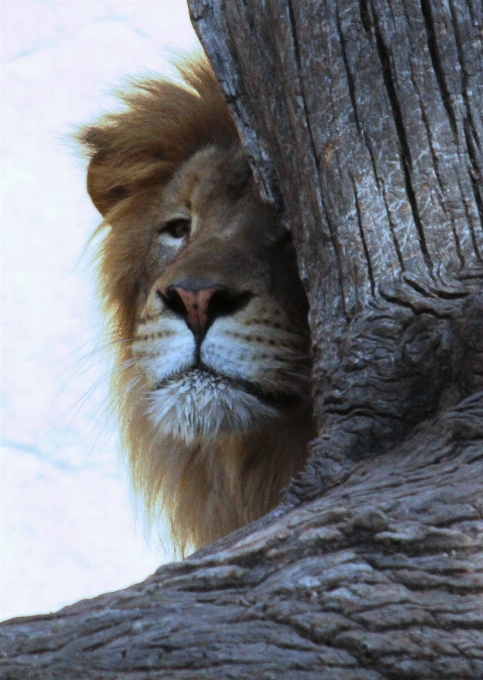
{"x":120,"y":167}
{"x":104,"y":186}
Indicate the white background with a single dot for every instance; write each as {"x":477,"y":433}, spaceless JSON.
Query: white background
{"x":67,"y":516}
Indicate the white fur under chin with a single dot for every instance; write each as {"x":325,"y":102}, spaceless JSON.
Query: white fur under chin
{"x":202,"y":404}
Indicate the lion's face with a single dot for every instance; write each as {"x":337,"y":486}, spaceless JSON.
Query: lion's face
{"x":220,"y":332}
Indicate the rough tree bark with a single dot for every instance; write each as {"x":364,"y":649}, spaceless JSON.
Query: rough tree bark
{"x":363,"y":121}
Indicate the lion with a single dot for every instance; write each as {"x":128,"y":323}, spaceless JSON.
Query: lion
{"x":200,"y":281}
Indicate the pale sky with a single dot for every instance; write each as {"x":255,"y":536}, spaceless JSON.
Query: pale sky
{"x":67,"y":517}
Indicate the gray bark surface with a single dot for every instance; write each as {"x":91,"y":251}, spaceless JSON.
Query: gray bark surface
{"x":363,"y":123}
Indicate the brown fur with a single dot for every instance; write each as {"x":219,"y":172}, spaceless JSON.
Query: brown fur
{"x":175,"y":148}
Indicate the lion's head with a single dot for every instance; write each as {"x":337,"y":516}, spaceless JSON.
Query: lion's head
{"x":207,"y":307}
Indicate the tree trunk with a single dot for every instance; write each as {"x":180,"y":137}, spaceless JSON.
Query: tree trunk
{"x":363,"y":123}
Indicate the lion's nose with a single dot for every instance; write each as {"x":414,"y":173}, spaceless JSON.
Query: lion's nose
{"x":200,"y":306}
{"x":196,"y":304}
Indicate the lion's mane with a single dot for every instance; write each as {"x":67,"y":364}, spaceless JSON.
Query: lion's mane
{"x":207,"y":487}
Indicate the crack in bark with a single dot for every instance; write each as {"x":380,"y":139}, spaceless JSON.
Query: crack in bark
{"x":469,"y":126}
{"x":475,"y":176}
{"x":404,"y":149}
{"x":469,"y":220}
{"x":392,"y":227}
{"x":363,"y":238}
{"x":366,"y":17}
{"x":333,"y":238}
{"x":350,"y":77}
{"x":437,"y":172}
{"x":349,"y":411}
{"x":365,"y":138}
{"x":437,"y":65}
{"x":417,"y":308}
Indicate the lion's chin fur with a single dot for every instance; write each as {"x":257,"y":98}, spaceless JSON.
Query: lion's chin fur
{"x":209,"y":481}
{"x":201,"y":405}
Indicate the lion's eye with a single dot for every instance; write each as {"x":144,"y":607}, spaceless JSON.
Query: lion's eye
{"x":178,"y":228}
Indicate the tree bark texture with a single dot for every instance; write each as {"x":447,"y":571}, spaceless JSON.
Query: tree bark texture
{"x":363,"y":123}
